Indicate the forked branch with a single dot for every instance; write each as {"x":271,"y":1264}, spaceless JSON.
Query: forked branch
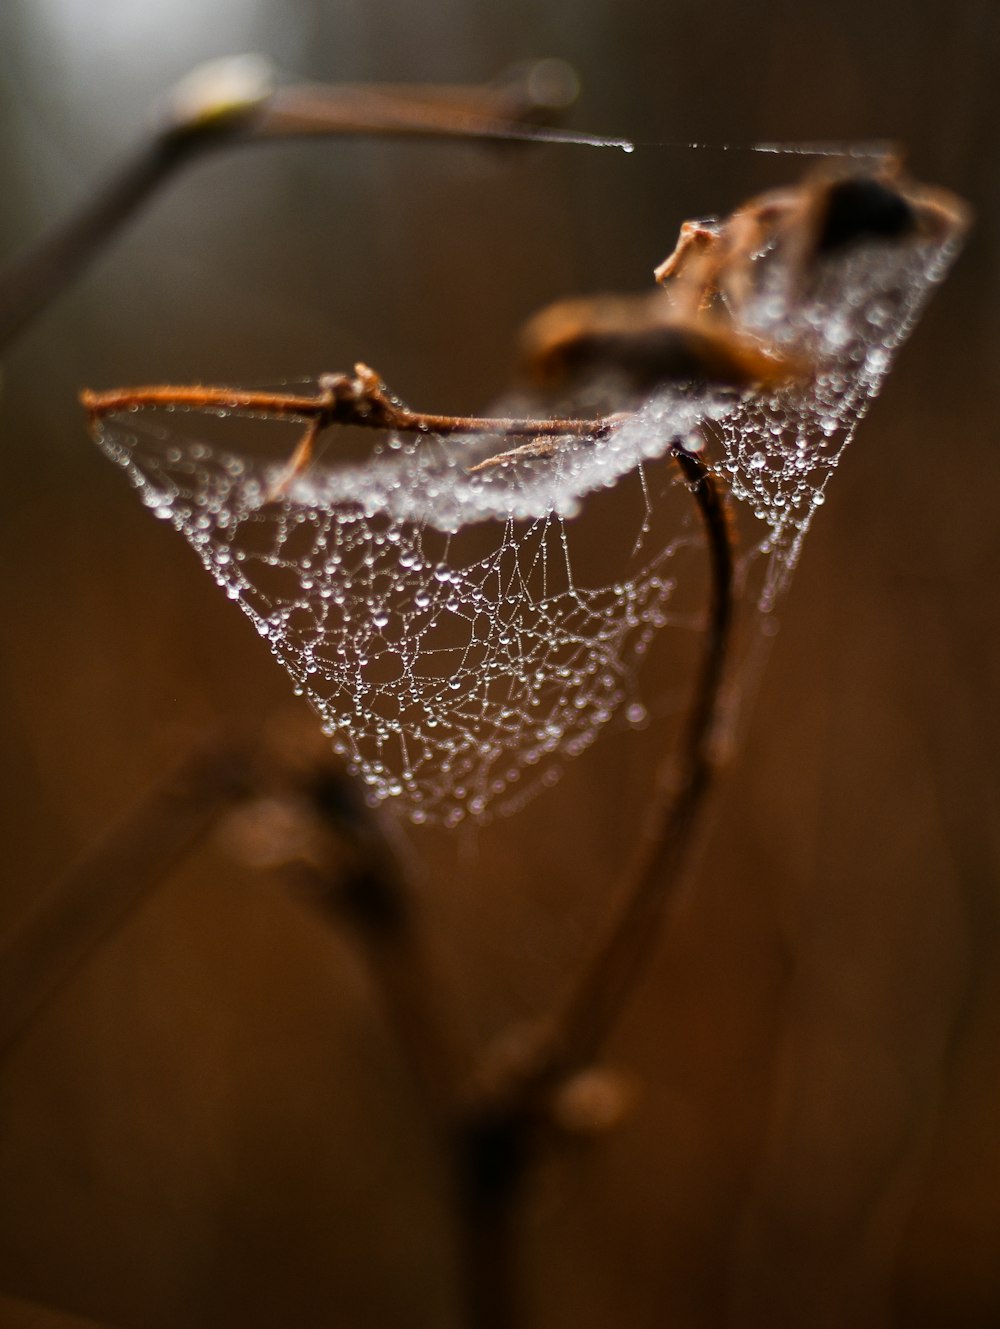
{"x":236,"y":102}
{"x":501,"y":1116}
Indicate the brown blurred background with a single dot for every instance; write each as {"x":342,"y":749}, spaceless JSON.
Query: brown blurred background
{"x":212,"y":1126}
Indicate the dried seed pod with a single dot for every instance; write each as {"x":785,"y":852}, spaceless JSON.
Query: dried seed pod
{"x":643,"y":342}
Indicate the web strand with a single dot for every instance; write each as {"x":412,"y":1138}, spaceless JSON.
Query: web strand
{"x":441,"y":604}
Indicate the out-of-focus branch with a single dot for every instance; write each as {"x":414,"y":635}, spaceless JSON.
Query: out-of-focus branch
{"x":235,"y":102}
{"x":343,"y":856}
{"x":520,"y":105}
{"x":48,"y":946}
{"x":356,"y":875}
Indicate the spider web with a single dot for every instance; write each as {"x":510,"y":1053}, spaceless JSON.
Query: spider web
{"x":462,"y":632}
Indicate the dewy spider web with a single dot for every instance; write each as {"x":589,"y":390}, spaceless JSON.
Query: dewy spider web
{"x":433,"y":614}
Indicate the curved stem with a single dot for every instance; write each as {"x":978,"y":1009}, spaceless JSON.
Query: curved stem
{"x":507,"y":1124}
{"x":613,"y":970}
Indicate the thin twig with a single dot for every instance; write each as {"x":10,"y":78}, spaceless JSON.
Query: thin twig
{"x":360,"y":399}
